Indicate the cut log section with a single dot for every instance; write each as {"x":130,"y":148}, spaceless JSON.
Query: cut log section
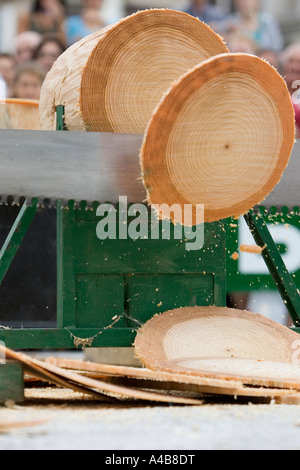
{"x":19,"y":114}
{"x":280,"y":375}
{"x":221,"y":137}
{"x":113,"y":80}
{"x":206,"y":332}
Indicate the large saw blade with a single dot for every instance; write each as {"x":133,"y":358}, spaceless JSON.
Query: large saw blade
{"x":87,"y":166}
{"x":68,"y":166}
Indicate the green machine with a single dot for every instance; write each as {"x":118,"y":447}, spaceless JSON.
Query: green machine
{"x":108,"y":286}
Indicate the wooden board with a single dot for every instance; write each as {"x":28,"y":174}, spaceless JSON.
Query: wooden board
{"x":212,"y":332}
{"x":251,"y":372}
{"x":221,"y":137}
{"x":19,"y":114}
{"x":170,"y":381}
{"x":112,"y":80}
{"x":94,"y":387}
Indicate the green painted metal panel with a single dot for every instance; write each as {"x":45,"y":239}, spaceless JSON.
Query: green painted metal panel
{"x":148,"y":295}
{"x":11,"y":383}
{"x":99,"y":298}
{"x":132,"y":279}
{"x":69,"y":338}
{"x":249,"y":272}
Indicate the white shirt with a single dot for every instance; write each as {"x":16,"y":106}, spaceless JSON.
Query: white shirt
{"x":3,"y":89}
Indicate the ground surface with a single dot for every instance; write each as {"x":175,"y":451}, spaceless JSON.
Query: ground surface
{"x":68,"y":423}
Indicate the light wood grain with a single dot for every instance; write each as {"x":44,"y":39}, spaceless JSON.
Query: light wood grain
{"x":201,"y":332}
{"x":19,"y":114}
{"x":112,"y":80}
{"x":221,"y":137}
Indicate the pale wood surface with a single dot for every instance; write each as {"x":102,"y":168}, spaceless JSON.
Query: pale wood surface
{"x":205,"y":332}
{"x":93,"y":387}
{"x":222,"y":137}
{"x":276,"y":374}
{"x":112,"y":80}
{"x":19,"y":114}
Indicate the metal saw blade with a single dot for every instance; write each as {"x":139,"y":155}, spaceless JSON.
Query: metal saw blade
{"x":87,"y":166}
{"x":77,"y":166}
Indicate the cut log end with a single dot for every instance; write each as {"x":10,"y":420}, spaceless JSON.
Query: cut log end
{"x":221,"y":137}
{"x":119,"y":74}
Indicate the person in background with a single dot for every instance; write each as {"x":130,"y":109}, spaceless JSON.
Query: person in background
{"x":3,"y":92}
{"x":45,"y":17}
{"x":48,"y":52}
{"x":254,"y":23}
{"x":270,"y":56}
{"x":7,"y":71}
{"x":28,"y":81}
{"x":241,"y":44}
{"x":206,"y":12}
{"x":290,"y":69}
{"x":25,"y":45}
{"x":85,"y":23}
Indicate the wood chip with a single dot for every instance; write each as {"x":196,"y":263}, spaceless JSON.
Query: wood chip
{"x":253,"y":249}
{"x":8,"y":427}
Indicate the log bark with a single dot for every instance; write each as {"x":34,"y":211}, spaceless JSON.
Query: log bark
{"x":221,"y":137}
{"x":112,"y":80}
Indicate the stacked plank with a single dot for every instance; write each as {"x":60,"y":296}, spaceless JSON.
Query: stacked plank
{"x":189,"y":355}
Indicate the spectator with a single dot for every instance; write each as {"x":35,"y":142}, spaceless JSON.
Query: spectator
{"x":45,"y":17}
{"x":290,"y":68}
{"x":25,"y":45}
{"x":7,"y":71}
{"x":209,"y":14}
{"x":85,"y":23}
{"x":48,"y":52}
{"x":242,"y":44}
{"x":270,"y":56}
{"x":28,"y":82}
{"x":3,"y":93}
{"x":254,"y":23}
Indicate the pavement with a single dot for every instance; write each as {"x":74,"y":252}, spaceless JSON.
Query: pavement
{"x":60,"y":419}
{"x":63,"y":420}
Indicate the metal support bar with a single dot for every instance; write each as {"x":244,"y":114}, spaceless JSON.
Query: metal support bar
{"x":16,"y":236}
{"x":60,"y":118}
{"x":275,"y":264}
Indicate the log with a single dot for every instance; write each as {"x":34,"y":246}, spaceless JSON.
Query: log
{"x":221,"y":137}
{"x":112,"y":80}
{"x":205,"y":332}
{"x":19,"y":114}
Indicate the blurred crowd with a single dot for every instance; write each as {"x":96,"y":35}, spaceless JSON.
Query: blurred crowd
{"x":47,"y":30}
{"x":44,"y":33}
